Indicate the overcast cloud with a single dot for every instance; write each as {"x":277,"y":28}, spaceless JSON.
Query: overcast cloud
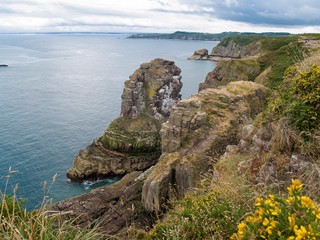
{"x":294,"y":16}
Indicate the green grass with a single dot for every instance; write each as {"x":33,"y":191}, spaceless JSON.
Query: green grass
{"x":287,"y":52}
{"x":242,"y":40}
{"x":17,"y":223}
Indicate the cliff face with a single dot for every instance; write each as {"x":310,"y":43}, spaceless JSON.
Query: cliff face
{"x":132,"y":141}
{"x":230,"y":71}
{"x":229,"y":48}
{"x":197,"y":131}
{"x":248,"y":58}
{"x":195,"y":134}
{"x":154,"y":87}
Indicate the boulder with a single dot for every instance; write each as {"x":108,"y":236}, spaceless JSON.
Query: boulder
{"x":198,"y":131}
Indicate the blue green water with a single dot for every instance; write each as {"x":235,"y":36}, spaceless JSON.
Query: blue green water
{"x":61,"y":91}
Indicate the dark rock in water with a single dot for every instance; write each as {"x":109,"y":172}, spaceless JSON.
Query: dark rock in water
{"x":132,"y":141}
{"x":3,"y":65}
{"x":201,"y":54}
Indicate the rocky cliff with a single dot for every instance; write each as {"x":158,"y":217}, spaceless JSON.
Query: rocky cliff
{"x":191,"y":137}
{"x":230,"y":71}
{"x":241,"y":47}
{"x":195,"y":134}
{"x":260,"y":59}
{"x":132,"y":141}
{"x":197,"y":131}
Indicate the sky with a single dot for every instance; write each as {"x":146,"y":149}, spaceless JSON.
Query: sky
{"x":212,"y":16}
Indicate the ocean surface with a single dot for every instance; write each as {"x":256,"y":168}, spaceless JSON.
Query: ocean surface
{"x":60,"y":92}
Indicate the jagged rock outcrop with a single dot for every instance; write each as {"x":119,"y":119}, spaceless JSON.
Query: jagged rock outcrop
{"x":197,"y":131}
{"x":132,"y":141}
{"x":229,"y":48}
{"x":201,"y":54}
{"x":154,"y":87}
{"x":230,"y":71}
{"x":117,"y":207}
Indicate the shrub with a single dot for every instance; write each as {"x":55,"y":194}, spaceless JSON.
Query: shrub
{"x":296,"y":217}
{"x":299,"y":100}
{"x":200,"y":217}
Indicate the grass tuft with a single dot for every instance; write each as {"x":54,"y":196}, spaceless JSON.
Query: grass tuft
{"x":17,"y":223}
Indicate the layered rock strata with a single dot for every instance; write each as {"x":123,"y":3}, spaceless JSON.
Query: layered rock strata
{"x":132,"y":141}
{"x":117,"y":207}
{"x":197,"y":131}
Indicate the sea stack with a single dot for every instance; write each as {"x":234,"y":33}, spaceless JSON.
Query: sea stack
{"x":132,"y":141}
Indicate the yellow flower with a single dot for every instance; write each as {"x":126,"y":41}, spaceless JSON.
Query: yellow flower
{"x":296,"y":185}
{"x":241,"y":228}
{"x":249,"y":219}
{"x":265,"y":222}
{"x":307,"y":202}
{"x":269,"y":202}
{"x":318,"y":213}
{"x":259,"y":201}
{"x":301,"y":233}
{"x":260,"y":212}
{"x":290,"y":200}
{"x":269,"y":230}
{"x":292,"y":220}
{"x":271,"y":196}
{"x":275,"y":211}
{"x":273,"y":223}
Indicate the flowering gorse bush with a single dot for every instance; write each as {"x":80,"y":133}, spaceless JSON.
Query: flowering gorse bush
{"x":296,"y":217}
{"x":299,"y":99}
{"x":202,"y":216}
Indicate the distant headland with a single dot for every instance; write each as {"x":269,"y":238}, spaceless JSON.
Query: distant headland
{"x":180,"y":35}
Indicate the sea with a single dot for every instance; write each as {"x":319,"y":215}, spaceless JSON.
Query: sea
{"x":61,"y":91}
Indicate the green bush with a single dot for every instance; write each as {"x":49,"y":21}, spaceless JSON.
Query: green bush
{"x":296,"y":217}
{"x":299,"y":100}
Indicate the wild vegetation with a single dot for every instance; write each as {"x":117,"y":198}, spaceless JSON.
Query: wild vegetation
{"x":18,"y":223}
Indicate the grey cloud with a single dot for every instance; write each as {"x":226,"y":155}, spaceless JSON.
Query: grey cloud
{"x":271,"y":12}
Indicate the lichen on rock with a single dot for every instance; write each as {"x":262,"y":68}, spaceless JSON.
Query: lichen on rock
{"x":197,"y":131}
{"x":153,"y":88}
{"x":132,"y":141}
